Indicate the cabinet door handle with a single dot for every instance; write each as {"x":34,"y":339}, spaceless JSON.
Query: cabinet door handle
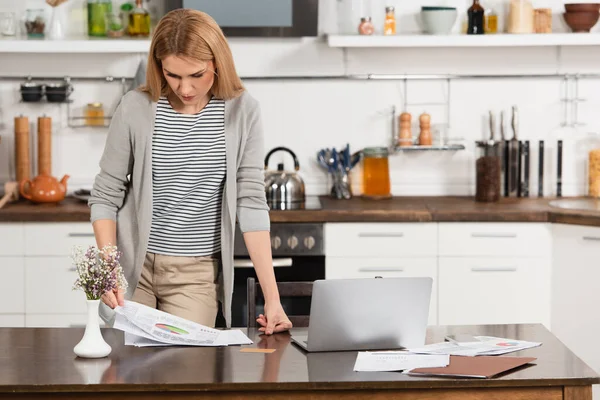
{"x":493,"y":235}
{"x":592,"y":238}
{"x":381,"y":269}
{"x":380,"y":234}
{"x":80,"y":234}
{"x":494,"y":269}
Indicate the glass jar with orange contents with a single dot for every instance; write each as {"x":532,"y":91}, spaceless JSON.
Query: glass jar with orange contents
{"x":376,"y":173}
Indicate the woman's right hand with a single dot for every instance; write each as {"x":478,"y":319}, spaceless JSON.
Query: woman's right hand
{"x":114,"y":298}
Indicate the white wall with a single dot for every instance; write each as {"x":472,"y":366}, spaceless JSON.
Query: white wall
{"x":307,"y":115}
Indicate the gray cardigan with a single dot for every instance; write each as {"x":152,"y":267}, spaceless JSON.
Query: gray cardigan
{"x":122,"y":189}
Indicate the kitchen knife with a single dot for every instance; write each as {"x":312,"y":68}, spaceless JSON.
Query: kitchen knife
{"x":541,"y":169}
{"x":559,"y":169}
{"x":520,"y":171}
{"x":525,"y":191}
{"x":513,"y":156}
{"x":505,"y":156}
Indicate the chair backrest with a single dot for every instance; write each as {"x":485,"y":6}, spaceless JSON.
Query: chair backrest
{"x":286,"y":289}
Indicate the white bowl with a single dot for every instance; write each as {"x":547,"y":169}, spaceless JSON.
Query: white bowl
{"x":438,"y":22}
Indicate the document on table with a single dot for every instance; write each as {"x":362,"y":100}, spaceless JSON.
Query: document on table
{"x":483,"y":346}
{"x":397,"y":361}
{"x":145,"y":326}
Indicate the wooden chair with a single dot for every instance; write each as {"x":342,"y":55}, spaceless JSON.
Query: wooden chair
{"x":286,"y":289}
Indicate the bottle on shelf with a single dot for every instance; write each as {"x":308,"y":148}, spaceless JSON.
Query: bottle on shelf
{"x":476,"y":19}
{"x":139,"y":21}
{"x":389,"y":26}
{"x":366,"y":26}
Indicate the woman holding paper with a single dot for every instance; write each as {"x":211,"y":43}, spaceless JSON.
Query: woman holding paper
{"x":183,"y":159}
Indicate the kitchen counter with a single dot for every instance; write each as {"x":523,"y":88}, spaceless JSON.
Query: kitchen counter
{"x":396,"y":209}
{"x":39,"y":363}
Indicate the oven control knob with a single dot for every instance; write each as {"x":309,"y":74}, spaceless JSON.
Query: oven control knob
{"x":276,"y":242}
{"x":292,"y":242}
{"x":309,"y":242}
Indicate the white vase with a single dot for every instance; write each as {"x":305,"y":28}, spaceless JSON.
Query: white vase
{"x":92,"y":345}
{"x":56,"y":30}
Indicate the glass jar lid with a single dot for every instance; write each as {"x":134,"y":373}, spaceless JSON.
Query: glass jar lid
{"x":375,"y":152}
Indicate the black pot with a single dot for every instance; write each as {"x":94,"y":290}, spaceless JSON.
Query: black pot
{"x":58,"y":92}
{"x":31,"y":91}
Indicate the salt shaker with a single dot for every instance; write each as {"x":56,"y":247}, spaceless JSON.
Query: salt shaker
{"x":366,"y":26}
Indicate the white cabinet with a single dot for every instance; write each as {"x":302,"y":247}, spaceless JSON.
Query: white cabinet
{"x":370,"y":267}
{"x":13,"y":239}
{"x":576,"y":290}
{"x":12,"y":285}
{"x":380,"y":239}
{"x":490,"y":290}
{"x":49,"y":287}
{"x":57,"y":239}
{"x":12,"y":320}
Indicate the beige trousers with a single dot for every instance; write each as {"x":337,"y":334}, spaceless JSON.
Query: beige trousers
{"x":182,"y":286}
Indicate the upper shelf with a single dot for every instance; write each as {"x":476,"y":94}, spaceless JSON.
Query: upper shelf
{"x":73,"y":45}
{"x":495,"y":40}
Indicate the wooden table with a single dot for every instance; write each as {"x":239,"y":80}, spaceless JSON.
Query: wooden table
{"x":39,"y":363}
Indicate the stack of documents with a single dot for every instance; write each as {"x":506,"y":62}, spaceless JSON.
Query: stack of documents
{"x":482,"y":346}
{"x":145,"y":326}
{"x":397,"y":361}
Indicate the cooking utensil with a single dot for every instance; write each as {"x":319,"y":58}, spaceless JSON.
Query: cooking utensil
{"x":58,"y":92}
{"x":513,"y":156}
{"x":11,"y":193}
{"x":283,"y":188}
{"x":520,"y":171}
{"x":541,"y":169}
{"x":559,"y":169}
{"x":525,"y":182}
{"x":505,"y":156}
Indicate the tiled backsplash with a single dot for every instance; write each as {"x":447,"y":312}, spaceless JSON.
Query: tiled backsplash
{"x":307,"y":115}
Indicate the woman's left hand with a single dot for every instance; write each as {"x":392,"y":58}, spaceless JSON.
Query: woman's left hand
{"x":275,"y":319}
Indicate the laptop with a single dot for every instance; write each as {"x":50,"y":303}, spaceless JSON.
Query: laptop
{"x":367,"y":314}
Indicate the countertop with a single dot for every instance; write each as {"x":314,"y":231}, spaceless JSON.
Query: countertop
{"x":396,"y":209}
{"x":41,"y":360}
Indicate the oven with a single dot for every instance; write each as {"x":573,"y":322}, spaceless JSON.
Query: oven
{"x":258,"y":18}
{"x":298,"y":255}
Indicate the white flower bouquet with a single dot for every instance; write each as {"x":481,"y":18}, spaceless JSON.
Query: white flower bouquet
{"x":98,"y":271}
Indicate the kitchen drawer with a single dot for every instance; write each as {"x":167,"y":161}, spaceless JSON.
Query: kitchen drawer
{"x":381,"y":239}
{"x":57,"y":321}
{"x":494,"y":291}
{"x":48,"y":287}
{"x":12,"y":320}
{"x":12,"y":285}
{"x":495,"y":239}
{"x":352,"y":268}
{"x":57,"y":239}
{"x":13,"y":239}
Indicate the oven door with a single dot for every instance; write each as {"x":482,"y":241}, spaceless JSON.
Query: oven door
{"x":287,"y":269}
{"x":258,"y":18}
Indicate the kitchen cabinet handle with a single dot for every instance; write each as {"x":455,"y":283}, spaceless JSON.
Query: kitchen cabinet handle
{"x":592,"y":238}
{"x":381,"y":269}
{"x":380,"y":234}
{"x":80,"y":234}
{"x":494,"y":269}
{"x":277,"y":263}
{"x":493,"y":235}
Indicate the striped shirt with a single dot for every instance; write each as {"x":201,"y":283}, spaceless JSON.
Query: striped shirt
{"x":188,"y":174}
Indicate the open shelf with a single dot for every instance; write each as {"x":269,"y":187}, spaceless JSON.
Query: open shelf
{"x":82,"y":44}
{"x":461,"y":40}
{"x":447,"y":147}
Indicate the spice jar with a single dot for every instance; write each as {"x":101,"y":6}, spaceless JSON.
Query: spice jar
{"x":366,"y":26}
{"x":542,"y":20}
{"x":376,"y":173}
{"x":35,"y":23}
{"x":594,"y":173}
{"x":488,"y":169}
{"x":389,"y":25}
{"x":94,"y":114}
{"x":490,"y":21}
{"x":98,"y":13}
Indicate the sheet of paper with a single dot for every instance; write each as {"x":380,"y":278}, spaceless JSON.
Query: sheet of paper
{"x":158,"y":327}
{"x":486,"y":345}
{"x":397,"y":361}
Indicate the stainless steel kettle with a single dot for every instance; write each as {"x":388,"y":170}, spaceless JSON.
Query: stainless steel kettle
{"x":284,"y":189}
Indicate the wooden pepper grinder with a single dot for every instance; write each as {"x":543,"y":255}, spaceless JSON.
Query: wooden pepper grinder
{"x":425,"y":124}
{"x":22,"y":160}
{"x":405,"y":134}
{"x":45,"y":146}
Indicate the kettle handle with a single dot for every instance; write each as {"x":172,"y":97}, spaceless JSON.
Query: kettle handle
{"x":296,"y":163}
{"x":24,"y":193}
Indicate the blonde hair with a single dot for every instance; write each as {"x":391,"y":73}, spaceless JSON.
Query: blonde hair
{"x":196,"y":35}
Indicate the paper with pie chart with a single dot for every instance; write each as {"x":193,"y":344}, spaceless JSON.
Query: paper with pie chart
{"x":483,"y":346}
{"x":146,"y":326}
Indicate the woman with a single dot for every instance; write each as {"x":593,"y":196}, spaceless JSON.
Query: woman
{"x":183,"y":157}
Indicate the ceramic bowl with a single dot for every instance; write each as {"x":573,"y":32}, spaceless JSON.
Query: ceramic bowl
{"x":581,"y":21}
{"x":437,"y":20}
{"x":582,"y":7}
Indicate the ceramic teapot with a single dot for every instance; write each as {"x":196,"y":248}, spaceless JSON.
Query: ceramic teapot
{"x":44,"y":189}
{"x":283,"y":188}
